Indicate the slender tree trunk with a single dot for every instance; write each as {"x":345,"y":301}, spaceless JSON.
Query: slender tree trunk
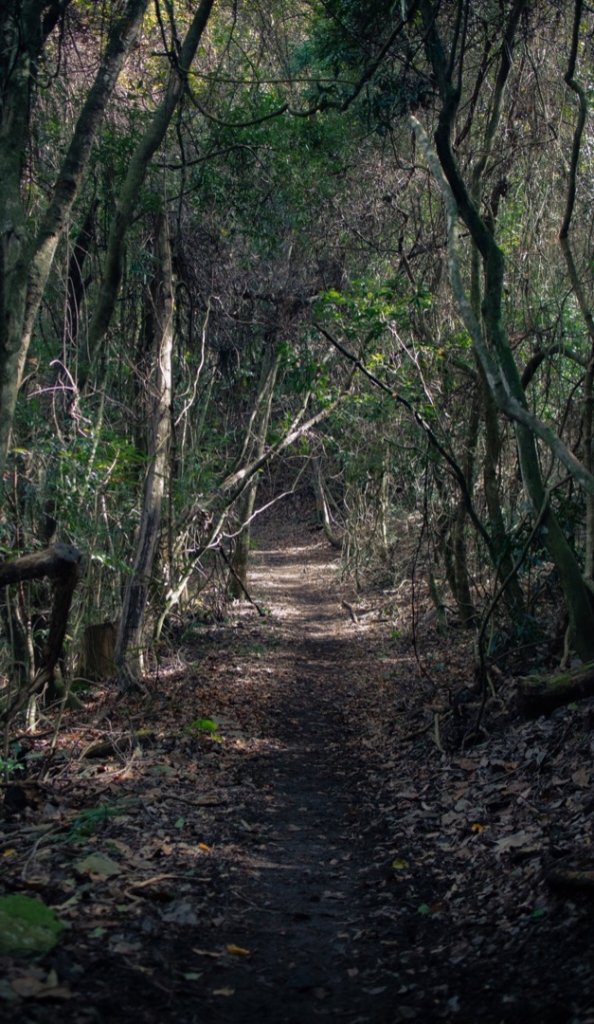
{"x":324,"y":509}
{"x":128,"y":649}
{"x":25,"y":262}
{"x":588,"y":443}
{"x":76,"y":285}
{"x":254,"y":447}
{"x":576,"y":282}
{"x":503,"y":562}
{"x":463,"y":596}
{"x":137,"y":169}
{"x":501,"y":373}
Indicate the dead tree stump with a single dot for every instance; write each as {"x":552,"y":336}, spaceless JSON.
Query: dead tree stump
{"x":97,"y":652}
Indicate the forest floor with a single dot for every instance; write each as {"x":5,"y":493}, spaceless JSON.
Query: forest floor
{"x":333,"y":850}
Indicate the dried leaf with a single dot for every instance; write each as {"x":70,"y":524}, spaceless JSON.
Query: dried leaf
{"x":27,"y":987}
{"x":517,"y":841}
{"x":581,"y":777}
{"x":97,"y":866}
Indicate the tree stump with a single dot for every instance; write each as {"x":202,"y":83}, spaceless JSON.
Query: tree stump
{"x":97,"y":652}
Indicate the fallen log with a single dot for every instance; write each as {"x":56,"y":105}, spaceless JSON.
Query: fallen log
{"x":57,"y":561}
{"x":539,"y":694}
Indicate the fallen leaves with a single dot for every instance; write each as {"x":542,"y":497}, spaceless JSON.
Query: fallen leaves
{"x":439,"y":859}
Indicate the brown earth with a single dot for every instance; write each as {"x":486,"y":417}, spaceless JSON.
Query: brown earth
{"x":330,"y":853}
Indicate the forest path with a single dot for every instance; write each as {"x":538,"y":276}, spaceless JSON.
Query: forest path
{"x":299,"y":905}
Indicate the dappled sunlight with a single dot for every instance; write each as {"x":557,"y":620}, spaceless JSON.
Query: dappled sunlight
{"x":226,"y":812}
{"x":299,"y":584}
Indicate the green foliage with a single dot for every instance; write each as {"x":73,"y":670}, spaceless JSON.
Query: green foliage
{"x":344,"y":39}
{"x":204,"y":727}
{"x":9,"y":766}
{"x":304,"y":371}
{"x":343,"y":33}
{"x":368,"y":306}
{"x":91,"y":820}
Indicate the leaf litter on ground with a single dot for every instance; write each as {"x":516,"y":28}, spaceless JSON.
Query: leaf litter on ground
{"x":207,"y":866}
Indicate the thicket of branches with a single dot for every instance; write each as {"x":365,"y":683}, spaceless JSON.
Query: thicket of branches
{"x":334,"y":246}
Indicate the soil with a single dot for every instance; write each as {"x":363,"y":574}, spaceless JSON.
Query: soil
{"x":297,"y":827}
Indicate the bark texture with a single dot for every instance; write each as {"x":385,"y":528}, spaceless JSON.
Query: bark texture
{"x":128,"y":649}
{"x":26,"y":260}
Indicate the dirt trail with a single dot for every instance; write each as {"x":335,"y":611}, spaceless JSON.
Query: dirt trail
{"x":371,"y":890}
{"x":301,"y":906}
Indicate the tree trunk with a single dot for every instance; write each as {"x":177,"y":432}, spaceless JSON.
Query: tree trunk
{"x":253,"y":447}
{"x":128,"y":648}
{"x":463,"y":596}
{"x":501,"y":371}
{"x":239,"y":563}
{"x":25,"y":263}
{"x":97,"y":653}
{"x":137,"y":169}
{"x":513,"y":595}
{"x":324,"y":509}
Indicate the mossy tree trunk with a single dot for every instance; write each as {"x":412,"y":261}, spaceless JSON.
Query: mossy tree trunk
{"x":540,"y":694}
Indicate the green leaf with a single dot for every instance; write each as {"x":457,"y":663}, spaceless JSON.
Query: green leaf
{"x":204,"y":725}
{"x":424,"y":909}
{"x":27,"y":925}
